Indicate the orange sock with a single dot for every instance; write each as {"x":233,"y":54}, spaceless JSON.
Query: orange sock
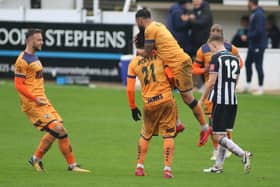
{"x":44,"y":146}
{"x":66,"y":149}
{"x":199,"y":115}
{"x":168,"y":149}
{"x":229,"y":135}
{"x":143,"y":146}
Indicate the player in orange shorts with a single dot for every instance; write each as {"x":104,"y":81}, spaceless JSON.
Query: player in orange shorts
{"x":201,"y":67}
{"x":29,"y":83}
{"x":160,"y":112}
{"x":159,"y":38}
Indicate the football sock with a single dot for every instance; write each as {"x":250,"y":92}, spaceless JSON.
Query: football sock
{"x":199,"y":115}
{"x":221,"y":156}
{"x":178,"y":122}
{"x":44,"y":146}
{"x":140,"y":166}
{"x":204,"y":127}
{"x":66,"y":149}
{"x":143,"y":146}
{"x":167,"y":168}
{"x":229,"y":134}
{"x":231,"y":146}
{"x":168,"y":149}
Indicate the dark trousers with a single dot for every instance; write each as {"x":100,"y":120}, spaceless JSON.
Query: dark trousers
{"x":255,"y":56}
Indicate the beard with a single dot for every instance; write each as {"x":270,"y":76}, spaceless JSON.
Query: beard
{"x":37,"y":48}
{"x":141,"y":29}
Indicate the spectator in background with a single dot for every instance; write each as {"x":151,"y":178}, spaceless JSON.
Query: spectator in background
{"x":273,"y":32}
{"x":178,"y":27}
{"x":237,"y":39}
{"x":201,"y":20}
{"x":257,"y":42}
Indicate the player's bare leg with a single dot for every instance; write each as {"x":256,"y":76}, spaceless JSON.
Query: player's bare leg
{"x":168,"y":149}
{"x":142,"y":149}
{"x":205,"y":131}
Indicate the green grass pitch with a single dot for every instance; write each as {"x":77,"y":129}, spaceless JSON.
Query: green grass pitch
{"x":104,"y":139}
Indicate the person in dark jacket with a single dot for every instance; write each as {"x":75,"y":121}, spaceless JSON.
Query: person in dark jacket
{"x":237,"y":40}
{"x":179,"y":28}
{"x":273,"y":32}
{"x":201,"y":21}
{"x":257,"y":42}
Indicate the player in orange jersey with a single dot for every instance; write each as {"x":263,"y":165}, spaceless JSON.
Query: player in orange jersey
{"x":159,"y":38}
{"x":201,"y":67}
{"x":159,"y":110}
{"x":139,"y":40}
{"x":29,"y":83}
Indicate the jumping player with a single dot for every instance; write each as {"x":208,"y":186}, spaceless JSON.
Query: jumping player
{"x":158,"y":37}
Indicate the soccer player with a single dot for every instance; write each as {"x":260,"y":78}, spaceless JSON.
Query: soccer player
{"x":159,"y":110}
{"x":158,"y":37}
{"x":201,"y":67}
{"x":29,"y":83}
{"x":221,"y":90}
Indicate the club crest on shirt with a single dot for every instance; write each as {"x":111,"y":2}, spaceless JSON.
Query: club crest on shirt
{"x":47,"y":116}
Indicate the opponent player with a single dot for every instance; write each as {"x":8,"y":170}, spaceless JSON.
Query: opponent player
{"x":159,"y":110}
{"x":29,"y":83}
{"x":201,"y":67}
{"x":158,"y":37}
{"x":221,"y":90}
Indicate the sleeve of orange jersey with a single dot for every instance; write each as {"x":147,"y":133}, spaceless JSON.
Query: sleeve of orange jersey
{"x":236,"y":53}
{"x":197,"y":68}
{"x":19,"y":84}
{"x":130,"y":87}
{"x":20,"y":74}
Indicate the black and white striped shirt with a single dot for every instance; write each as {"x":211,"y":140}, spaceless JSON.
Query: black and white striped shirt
{"x":226,"y":65}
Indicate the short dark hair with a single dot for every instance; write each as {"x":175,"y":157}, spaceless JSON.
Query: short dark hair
{"x":255,"y":2}
{"x":216,"y":38}
{"x":143,"y":13}
{"x":31,"y":32}
{"x":181,"y":2}
{"x":244,"y":18}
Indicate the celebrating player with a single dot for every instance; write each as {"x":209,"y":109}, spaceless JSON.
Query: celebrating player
{"x":29,"y":83}
{"x":158,"y":37}
{"x":160,"y":111}
{"x":201,"y":67}
{"x":223,"y":77}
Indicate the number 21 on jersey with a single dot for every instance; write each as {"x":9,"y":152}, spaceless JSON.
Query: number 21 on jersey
{"x":149,"y":73}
